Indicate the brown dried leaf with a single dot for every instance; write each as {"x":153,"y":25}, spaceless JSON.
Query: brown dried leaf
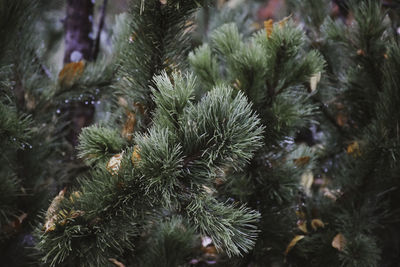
{"x":51,"y":213}
{"x":302,"y":225}
{"x":140,"y":107}
{"x":114,"y":163}
{"x":18,"y":221}
{"x":317,"y":223}
{"x":283,"y":21}
{"x":116,"y":263}
{"x":129,"y":125}
{"x":135,"y":156}
{"x":339,"y":242}
{"x":341,"y":119}
{"x":360,"y":52}
{"x":293,"y":242}
{"x":302,"y":161}
{"x":354,"y":149}
{"x":70,"y":73}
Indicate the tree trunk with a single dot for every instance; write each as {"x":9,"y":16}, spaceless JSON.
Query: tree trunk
{"x":79,"y":46}
{"x":78,"y":28}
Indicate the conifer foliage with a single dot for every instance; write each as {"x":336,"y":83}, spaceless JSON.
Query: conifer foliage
{"x":273,"y":68}
{"x":155,"y":186}
{"x":206,"y":142}
{"x":26,"y":144}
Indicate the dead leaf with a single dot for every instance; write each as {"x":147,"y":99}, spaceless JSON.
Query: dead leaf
{"x":64,"y":215}
{"x":317,"y":223}
{"x":302,"y":161}
{"x":293,"y":242}
{"x":132,"y":38}
{"x":122,"y":102}
{"x":354,"y":149}
{"x":268,"y":26}
{"x":341,"y":119}
{"x":135,"y":155}
{"x":70,"y":73}
{"x":140,"y":107}
{"x":332,"y":194}
{"x":339,"y":242}
{"x":129,"y":125}
{"x":283,"y":21}
{"x":74,"y":195}
{"x":237,"y":84}
{"x":360,"y":52}
{"x":114,"y":163}
{"x":18,"y":221}
{"x":314,"y":80}
{"x":30,"y":101}
{"x":302,"y":225}
{"x":307,"y":179}
{"x":116,"y":263}
{"x":51,"y":213}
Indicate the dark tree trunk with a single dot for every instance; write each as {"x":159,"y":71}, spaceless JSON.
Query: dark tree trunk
{"x":78,"y":27}
{"x":79,"y":46}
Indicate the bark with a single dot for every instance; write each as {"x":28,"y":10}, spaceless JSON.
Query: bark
{"x":78,"y":26}
{"x":79,"y":46}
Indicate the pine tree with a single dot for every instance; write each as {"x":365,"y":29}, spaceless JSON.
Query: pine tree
{"x":27,"y":143}
{"x":359,"y":205}
{"x":273,"y":68}
{"x":279,"y":144}
{"x":33,"y":122}
{"x":149,"y":193}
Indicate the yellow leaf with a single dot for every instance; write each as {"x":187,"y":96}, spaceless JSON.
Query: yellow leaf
{"x":339,"y":242}
{"x":302,"y":225}
{"x":307,"y":179}
{"x":354,"y":149}
{"x":70,"y":73}
{"x":292,"y":243}
{"x":268,"y":26}
{"x":135,"y":155}
{"x":114,"y":163}
{"x":317,"y":223}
